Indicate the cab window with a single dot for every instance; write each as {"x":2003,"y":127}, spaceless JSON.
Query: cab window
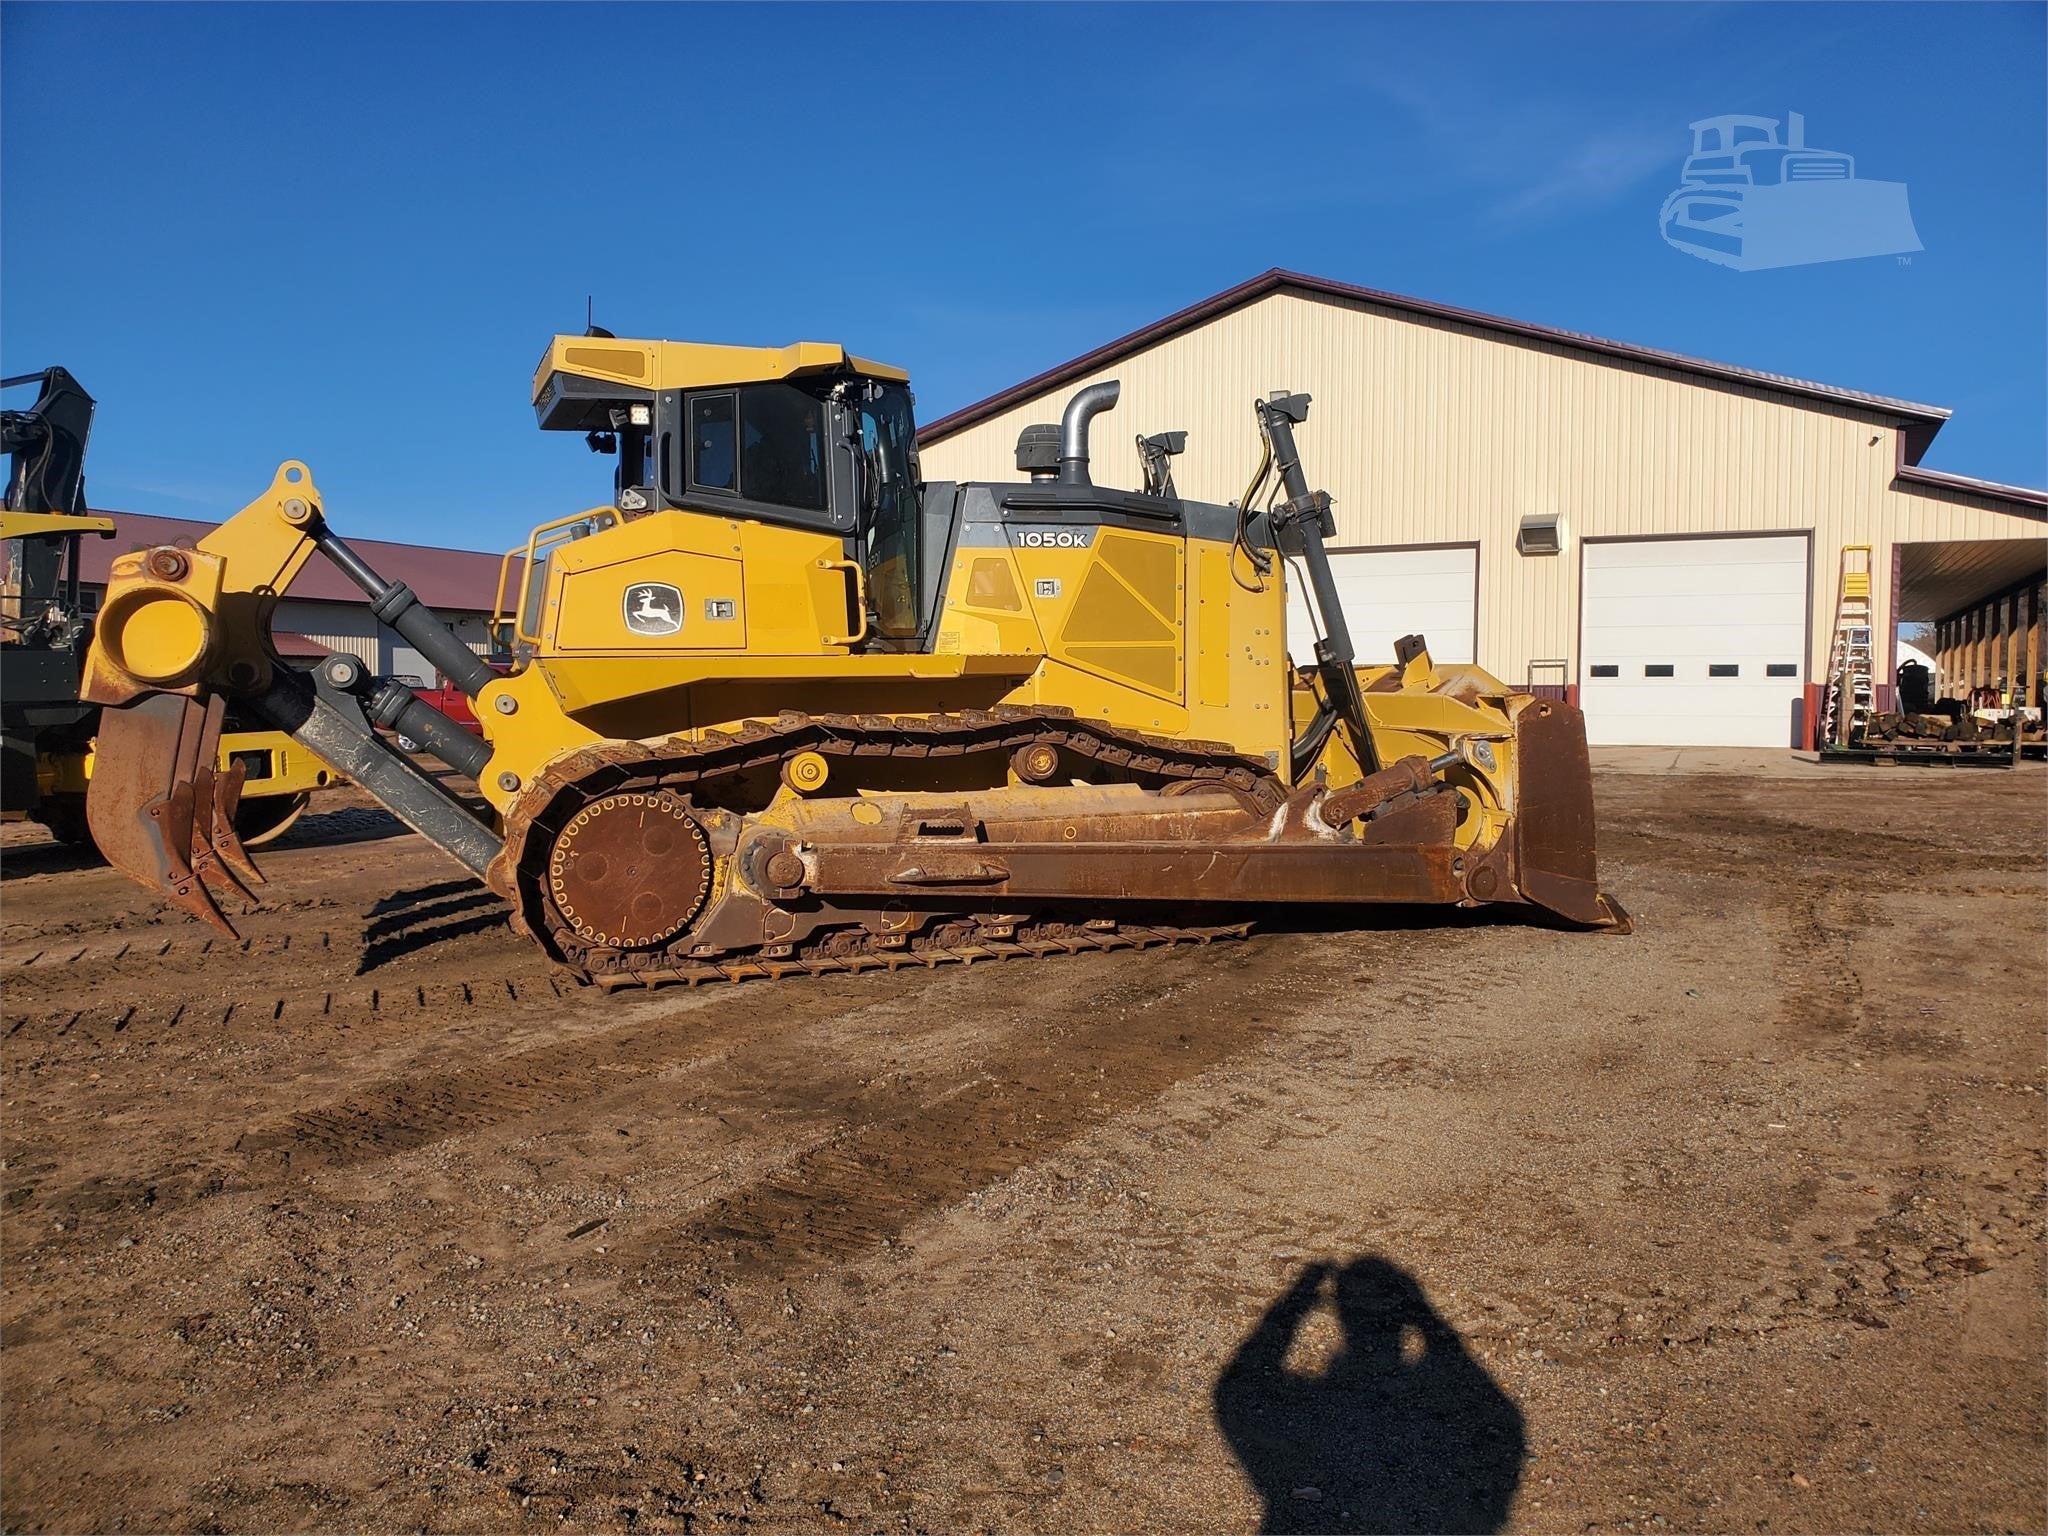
{"x":763,"y":442}
{"x":888,"y":442}
{"x":711,"y":457}
{"x":782,"y":447}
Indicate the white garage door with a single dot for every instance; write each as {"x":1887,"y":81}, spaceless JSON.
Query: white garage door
{"x":401,"y":660}
{"x":1388,"y":593}
{"x":1693,"y":642}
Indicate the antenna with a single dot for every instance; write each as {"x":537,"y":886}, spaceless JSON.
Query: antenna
{"x":590,"y":327}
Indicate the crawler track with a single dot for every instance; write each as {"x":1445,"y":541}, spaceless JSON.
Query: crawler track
{"x":716,"y":768}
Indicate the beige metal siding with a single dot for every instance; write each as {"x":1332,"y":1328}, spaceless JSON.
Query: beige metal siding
{"x":338,"y":626}
{"x":346,"y":627}
{"x":1433,"y":432}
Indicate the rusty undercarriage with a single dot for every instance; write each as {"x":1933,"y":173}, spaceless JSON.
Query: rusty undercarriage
{"x":635,"y":867}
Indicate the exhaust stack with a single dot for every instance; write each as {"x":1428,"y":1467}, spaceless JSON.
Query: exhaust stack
{"x":1082,"y":409}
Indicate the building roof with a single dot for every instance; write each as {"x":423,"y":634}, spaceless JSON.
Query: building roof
{"x":290,"y":645}
{"x":1945,"y":580}
{"x":1921,"y":422}
{"x":1942,"y":480}
{"x":454,"y":580}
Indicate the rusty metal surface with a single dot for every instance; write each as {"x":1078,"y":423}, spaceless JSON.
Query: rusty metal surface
{"x":1553,"y":827}
{"x":144,"y":803}
{"x":1119,"y":872}
{"x":1162,"y":831}
{"x":226,"y":835}
{"x":630,"y":869}
{"x":1409,"y":775}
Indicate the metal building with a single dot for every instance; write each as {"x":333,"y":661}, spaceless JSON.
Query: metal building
{"x":1657,"y":537}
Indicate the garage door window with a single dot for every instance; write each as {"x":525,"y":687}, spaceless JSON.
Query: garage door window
{"x":1607,"y":671}
{"x":1782,"y":669}
{"x":1724,"y":669}
{"x":1657,"y":669}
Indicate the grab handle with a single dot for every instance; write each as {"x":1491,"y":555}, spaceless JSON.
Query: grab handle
{"x":860,"y":600}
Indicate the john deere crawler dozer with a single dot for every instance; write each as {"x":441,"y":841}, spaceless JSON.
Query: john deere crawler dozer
{"x":785,"y":706}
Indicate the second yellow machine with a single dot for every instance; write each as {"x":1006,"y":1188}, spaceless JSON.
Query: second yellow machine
{"x":785,"y":706}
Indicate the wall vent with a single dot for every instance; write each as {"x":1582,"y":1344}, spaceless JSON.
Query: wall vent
{"x":1541,"y":533}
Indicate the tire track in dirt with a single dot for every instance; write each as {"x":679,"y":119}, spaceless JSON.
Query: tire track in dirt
{"x":403,"y":1114}
{"x":922,"y":1150}
{"x":657,"y":1034}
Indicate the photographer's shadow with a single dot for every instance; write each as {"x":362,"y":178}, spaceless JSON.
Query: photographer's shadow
{"x":1402,"y":1431}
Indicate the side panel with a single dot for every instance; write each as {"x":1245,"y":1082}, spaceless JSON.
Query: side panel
{"x":1116,"y":608}
{"x":680,"y":581}
{"x":1146,"y":629}
{"x":671,"y":601}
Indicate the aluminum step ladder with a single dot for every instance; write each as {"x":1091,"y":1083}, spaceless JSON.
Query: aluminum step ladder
{"x":1851,"y":692}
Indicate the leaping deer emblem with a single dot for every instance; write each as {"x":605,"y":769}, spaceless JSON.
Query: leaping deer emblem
{"x":654,"y":608}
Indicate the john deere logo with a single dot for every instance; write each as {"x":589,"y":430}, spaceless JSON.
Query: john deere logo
{"x":653,"y":608}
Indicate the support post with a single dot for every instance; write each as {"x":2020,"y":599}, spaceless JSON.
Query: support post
{"x":2034,"y":644}
{"x":2001,"y":645}
{"x":2015,"y":647}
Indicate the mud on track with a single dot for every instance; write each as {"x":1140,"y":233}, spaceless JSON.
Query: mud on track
{"x":368,"y":1220}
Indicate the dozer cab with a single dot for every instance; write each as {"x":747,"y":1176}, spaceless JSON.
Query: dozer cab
{"x":784,"y":706}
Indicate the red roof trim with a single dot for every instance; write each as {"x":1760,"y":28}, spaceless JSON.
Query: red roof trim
{"x":1927,"y":417}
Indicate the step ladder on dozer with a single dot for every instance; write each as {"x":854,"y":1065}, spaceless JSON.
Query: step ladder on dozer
{"x":1851,"y":693}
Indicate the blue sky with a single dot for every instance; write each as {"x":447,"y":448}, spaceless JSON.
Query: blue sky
{"x":343,"y":233}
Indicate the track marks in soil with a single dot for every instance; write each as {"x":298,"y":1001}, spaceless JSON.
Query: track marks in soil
{"x":406,"y":1113}
{"x":104,"y":1024}
{"x":1065,"y":1070}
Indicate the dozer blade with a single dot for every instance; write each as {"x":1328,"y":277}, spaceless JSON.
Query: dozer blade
{"x":155,"y":802}
{"x":1554,"y":817}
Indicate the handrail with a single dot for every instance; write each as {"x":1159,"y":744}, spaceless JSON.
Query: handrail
{"x":860,"y":601}
{"x":603,"y":516}
{"x":498,"y":613}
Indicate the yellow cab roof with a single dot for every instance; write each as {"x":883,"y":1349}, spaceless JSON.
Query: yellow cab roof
{"x":658,"y":365}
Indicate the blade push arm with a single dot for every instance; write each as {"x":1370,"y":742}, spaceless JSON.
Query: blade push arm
{"x":1300,"y":525}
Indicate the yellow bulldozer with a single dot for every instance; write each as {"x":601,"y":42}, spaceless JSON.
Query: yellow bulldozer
{"x":784,"y":706}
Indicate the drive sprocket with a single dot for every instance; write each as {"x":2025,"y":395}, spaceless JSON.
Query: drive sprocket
{"x":630,"y":869}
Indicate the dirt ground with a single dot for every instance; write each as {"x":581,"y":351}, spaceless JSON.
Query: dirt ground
{"x":1736,"y":1223}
